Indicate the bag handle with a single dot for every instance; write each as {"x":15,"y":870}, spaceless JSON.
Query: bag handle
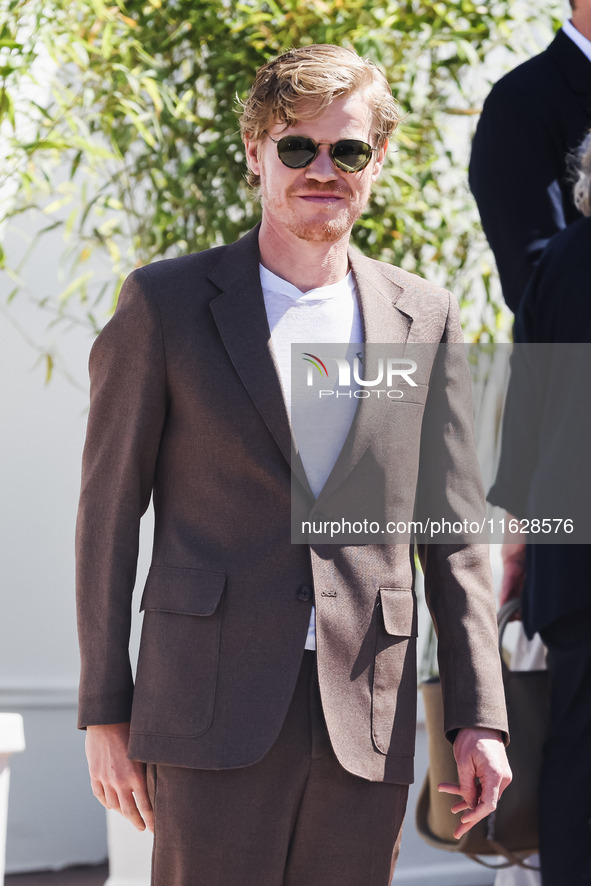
{"x":504,"y":616}
{"x":512,"y":859}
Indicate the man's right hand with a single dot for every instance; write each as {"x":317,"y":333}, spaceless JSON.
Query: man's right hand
{"x":118,"y":782}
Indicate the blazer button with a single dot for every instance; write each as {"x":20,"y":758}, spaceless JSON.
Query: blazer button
{"x":304,"y":593}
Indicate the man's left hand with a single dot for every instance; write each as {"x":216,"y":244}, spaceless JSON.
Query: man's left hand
{"x":480,"y":754}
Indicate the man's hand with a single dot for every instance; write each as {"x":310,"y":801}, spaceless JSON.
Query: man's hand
{"x":480,"y":754}
{"x":118,"y":782}
{"x":513,"y":554}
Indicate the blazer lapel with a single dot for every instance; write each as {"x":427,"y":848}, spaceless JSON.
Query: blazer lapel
{"x":240,"y":315}
{"x":386,"y":318}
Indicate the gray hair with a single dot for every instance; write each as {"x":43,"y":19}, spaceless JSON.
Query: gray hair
{"x":582,"y":169}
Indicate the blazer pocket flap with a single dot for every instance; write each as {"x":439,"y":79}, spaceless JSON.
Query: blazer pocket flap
{"x":399,"y":611}
{"x":184,"y":591}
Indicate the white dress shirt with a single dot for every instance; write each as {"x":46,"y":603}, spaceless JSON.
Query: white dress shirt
{"x":582,"y":42}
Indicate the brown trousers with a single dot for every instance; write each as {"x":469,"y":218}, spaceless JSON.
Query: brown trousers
{"x":295,"y":818}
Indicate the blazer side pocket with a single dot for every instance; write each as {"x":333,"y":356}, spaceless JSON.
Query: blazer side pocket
{"x":179,"y":651}
{"x":394,"y":699}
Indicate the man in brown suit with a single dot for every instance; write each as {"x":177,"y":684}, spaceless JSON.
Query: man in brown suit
{"x":261,"y":747}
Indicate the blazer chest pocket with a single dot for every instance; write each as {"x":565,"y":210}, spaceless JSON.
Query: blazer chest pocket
{"x":179,"y":651}
{"x":395,"y":681}
{"x":416,"y":395}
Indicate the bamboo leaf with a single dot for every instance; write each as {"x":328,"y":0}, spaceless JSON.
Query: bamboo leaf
{"x":56,"y":205}
{"x":74,"y":286}
{"x":151,"y":88}
{"x":75,"y":163}
{"x":134,"y":105}
{"x":48,"y":368}
{"x":107,"y":41}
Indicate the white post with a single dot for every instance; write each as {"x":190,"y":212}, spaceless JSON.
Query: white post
{"x":12,"y":741}
{"x":130,"y":852}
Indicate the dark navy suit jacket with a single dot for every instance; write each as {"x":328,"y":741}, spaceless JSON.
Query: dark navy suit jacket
{"x":547,"y":424}
{"x":533,"y":117}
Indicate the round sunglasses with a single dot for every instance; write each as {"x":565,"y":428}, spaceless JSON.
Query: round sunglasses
{"x":298,"y":151}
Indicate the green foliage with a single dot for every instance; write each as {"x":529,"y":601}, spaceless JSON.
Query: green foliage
{"x":119,"y":126}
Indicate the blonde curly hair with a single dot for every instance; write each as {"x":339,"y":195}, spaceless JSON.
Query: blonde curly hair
{"x":582,"y":168}
{"x":314,"y":76}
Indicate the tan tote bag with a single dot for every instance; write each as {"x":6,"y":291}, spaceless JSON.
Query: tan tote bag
{"x":512,"y":830}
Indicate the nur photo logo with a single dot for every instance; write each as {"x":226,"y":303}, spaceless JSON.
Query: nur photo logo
{"x":390,"y":373}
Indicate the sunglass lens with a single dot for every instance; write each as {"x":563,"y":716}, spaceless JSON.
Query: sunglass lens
{"x":351,"y":155}
{"x":296,"y":151}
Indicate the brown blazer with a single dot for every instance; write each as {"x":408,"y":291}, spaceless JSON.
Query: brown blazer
{"x":186,"y":406}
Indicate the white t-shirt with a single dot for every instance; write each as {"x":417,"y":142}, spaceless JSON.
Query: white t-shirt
{"x":327,"y":314}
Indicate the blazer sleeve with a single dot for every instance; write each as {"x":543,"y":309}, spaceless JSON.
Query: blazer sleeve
{"x":515,"y":169}
{"x":458,"y":580}
{"x":127,"y":413}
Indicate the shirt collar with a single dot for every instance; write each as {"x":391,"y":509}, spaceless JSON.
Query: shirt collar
{"x":273,"y":283}
{"x":578,"y":39}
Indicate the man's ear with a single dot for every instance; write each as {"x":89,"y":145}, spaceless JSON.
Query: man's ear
{"x":379,"y":160}
{"x":252,"y":155}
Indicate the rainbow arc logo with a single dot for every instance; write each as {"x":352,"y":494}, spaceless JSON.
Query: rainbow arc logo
{"x":317,"y":362}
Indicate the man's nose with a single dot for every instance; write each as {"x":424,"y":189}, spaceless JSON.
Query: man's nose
{"x":322,"y":168}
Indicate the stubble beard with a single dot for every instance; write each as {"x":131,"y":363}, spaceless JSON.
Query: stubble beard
{"x":315,"y":230}
{"x":328,"y":231}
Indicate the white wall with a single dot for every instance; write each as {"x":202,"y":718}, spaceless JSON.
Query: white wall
{"x":53,"y":818}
